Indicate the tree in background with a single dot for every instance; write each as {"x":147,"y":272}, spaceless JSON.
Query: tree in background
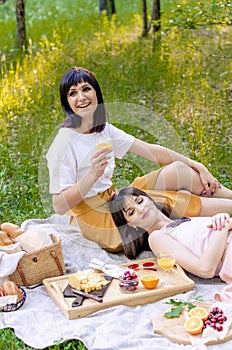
{"x":20,"y":23}
{"x":145,"y":25}
{"x":108,"y":6}
{"x":155,"y":17}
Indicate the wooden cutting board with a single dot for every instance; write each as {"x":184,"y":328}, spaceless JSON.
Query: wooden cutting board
{"x":179,"y":281}
{"x":173,"y":328}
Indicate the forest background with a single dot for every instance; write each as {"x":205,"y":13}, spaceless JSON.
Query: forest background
{"x":176,"y":86}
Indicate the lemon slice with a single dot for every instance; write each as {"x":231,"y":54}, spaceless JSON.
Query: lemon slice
{"x":194,"y":325}
{"x":200,"y":312}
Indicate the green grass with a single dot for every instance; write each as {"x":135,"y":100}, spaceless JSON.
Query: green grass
{"x":184,"y":76}
{"x":8,"y":341}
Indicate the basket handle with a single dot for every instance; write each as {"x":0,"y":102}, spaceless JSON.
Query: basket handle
{"x":57,"y":261}
{"x":23,"y":278}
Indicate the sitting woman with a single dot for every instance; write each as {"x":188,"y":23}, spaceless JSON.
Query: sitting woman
{"x":201,"y":245}
{"x":81,"y":178}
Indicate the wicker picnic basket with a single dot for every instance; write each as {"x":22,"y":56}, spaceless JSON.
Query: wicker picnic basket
{"x":40,"y":264}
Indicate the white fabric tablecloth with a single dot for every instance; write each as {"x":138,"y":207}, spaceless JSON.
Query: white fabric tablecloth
{"x":40,"y":323}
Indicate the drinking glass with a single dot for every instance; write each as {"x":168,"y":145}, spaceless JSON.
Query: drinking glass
{"x":105,"y":141}
{"x":165,"y":262}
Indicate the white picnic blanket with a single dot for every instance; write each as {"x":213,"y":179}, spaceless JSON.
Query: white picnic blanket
{"x":40,"y":323}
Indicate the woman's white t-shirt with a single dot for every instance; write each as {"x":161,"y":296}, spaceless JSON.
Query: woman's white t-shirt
{"x":69,"y":157}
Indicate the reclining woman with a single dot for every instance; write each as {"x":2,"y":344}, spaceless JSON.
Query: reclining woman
{"x":201,"y":245}
{"x":80,"y":182}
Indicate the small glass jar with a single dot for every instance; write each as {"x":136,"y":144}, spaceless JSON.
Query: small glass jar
{"x":128,"y":282}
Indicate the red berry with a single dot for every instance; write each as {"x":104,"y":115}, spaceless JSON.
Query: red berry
{"x":221,"y":320}
{"x":133,"y":288}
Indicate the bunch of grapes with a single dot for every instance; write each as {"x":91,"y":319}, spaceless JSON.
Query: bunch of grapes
{"x":215,"y":319}
{"x":128,"y":281}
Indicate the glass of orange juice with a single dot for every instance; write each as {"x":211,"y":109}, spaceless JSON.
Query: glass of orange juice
{"x":166,"y":262}
{"x":105,"y":141}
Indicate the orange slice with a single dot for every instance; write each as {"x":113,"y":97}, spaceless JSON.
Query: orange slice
{"x":200,"y":312}
{"x":149,"y":281}
{"x":193,"y":325}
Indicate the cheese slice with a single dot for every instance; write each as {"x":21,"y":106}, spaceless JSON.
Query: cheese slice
{"x":87,"y":280}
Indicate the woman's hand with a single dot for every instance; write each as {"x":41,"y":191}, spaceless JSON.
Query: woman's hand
{"x":220,"y":221}
{"x":72,"y":196}
{"x":209,"y":182}
{"x":100,"y":162}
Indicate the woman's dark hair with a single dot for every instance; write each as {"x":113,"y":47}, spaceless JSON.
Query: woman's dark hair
{"x":134,"y":241}
{"x":75,"y":76}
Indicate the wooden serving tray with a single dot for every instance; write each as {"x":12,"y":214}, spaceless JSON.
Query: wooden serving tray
{"x":179,"y":283}
{"x":173,"y":328}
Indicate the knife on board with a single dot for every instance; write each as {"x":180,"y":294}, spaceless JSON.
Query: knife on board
{"x":86,"y":295}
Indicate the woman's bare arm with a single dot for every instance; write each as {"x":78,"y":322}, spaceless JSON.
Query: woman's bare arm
{"x":205,"y":266}
{"x":162,"y":155}
{"x":73,"y":195}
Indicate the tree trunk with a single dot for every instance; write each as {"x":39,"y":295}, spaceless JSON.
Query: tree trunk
{"x":108,"y":6}
{"x":145,"y":26}
{"x":112,"y":7}
{"x":103,"y":5}
{"x":156,"y":16}
{"x":21,"y":27}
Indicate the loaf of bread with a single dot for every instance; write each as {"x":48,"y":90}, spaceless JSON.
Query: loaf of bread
{"x":2,"y":292}
{"x":11,"y":288}
{"x":16,"y":233}
{"x":11,"y":229}
{"x":5,"y":239}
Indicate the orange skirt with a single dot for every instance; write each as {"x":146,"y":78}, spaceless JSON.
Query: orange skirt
{"x":96,"y":222}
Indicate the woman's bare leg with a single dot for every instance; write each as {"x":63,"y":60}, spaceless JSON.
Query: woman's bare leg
{"x":222,"y":192}
{"x":179,"y":176}
{"x":211,"y":206}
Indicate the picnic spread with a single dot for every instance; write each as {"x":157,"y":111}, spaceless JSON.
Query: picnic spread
{"x":103,"y":299}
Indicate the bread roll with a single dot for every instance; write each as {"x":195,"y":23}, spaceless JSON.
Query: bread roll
{"x":16,"y":233}
{"x":8,"y":227}
{"x":2,"y":293}
{"x":11,"y":229}
{"x":11,"y":288}
{"x":5,"y":239}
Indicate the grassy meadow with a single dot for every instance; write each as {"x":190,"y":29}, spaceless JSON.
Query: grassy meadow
{"x":174,"y":89}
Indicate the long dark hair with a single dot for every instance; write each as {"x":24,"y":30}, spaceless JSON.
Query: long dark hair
{"x":75,"y":76}
{"x":134,"y":241}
